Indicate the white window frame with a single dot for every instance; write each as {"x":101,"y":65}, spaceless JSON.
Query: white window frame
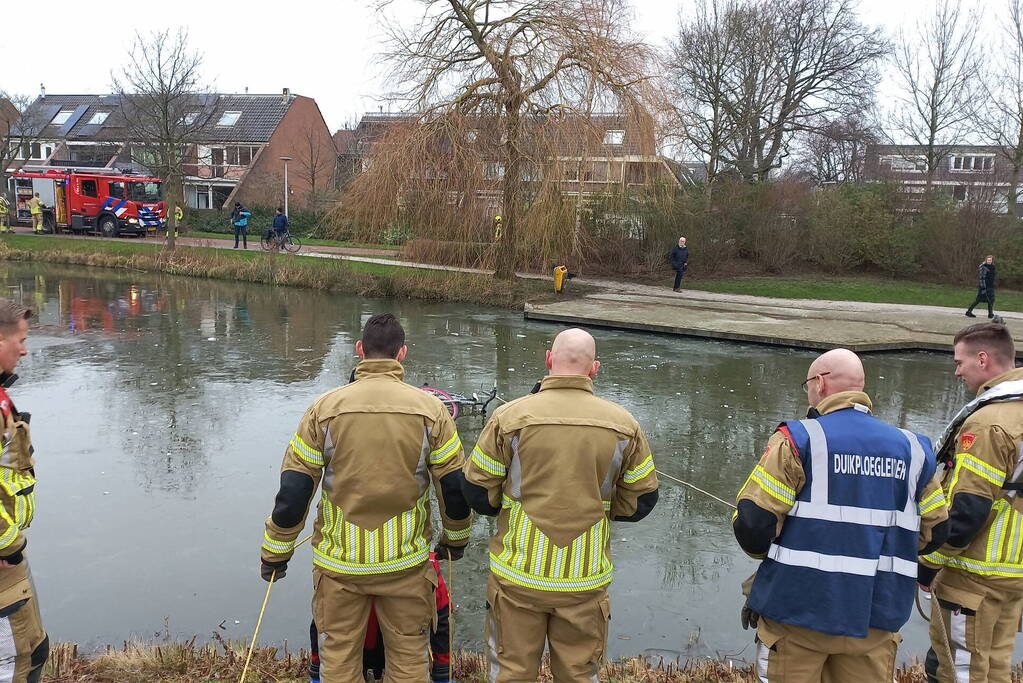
{"x":63,"y":115}
{"x":98,"y":118}
{"x":986,"y":161}
{"x":493,"y":170}
{"x":614,"y":137}
{"x":918,"y":161}
{"x":229,"y":118}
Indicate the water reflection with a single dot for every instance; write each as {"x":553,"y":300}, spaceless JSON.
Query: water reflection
{"x":162,"y":406}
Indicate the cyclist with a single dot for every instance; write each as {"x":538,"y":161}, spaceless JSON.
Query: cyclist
{"x":280,"y":227}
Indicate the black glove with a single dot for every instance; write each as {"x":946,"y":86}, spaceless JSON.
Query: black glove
{"x":443,"y":550}
{"x":925,"y":575}
{"x":747,"y":617}
{"x":267,"y":569}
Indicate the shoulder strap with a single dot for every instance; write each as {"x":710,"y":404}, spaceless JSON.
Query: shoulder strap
{"x":1002,"y":392}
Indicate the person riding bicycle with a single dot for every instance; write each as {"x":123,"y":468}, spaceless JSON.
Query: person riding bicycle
{"x":280,"y":225}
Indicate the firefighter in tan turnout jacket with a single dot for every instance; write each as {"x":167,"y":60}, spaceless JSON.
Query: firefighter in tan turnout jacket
{"x":556,"y":467}
{"x":375,"y":444}
{"x":976,"y":578}
{"x":24,"y":646}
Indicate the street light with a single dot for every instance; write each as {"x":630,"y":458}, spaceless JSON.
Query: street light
{"x":285,"y":160}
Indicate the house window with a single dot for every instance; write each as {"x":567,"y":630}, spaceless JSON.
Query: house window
{"x":614,"y":137}
{"x":98,"y":118}
{"x":35,"y":151}
{"x":493,"y":170}
{"x":471,"y":136}
{"x":47,"y":151}
{"x":907,"y":164}
{"x":190,"y":118}
{"x":972,"y":162}
{"x":62,"y":117}
{"x":959,"y":193}
{"x":239,"y":156}
{"x":229,"y":118}
{"x":571,"y":171}
{"x":89,"y":188}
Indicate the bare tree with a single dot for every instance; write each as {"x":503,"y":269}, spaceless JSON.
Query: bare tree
{"x":1004,"y":120}
{"x":939,"y":66}
{"x":749,"y":74}
{"x":509,"y":61}
{"x":833,"y":152}
{"x":20,"y":125}
{"x":165,"y":104}
{"x":316,"y":159}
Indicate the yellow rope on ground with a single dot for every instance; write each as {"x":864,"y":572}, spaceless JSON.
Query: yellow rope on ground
{"x":259,"y":622}
{"x":697,"y":488}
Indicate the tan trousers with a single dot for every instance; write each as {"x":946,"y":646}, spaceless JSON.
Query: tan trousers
{"x":793,"y":654}
{"x":519,"y":621}
{"x":405,"y":606}
{"x":24,"y":646}
{"x":37,"y":222}
{"x":980,"y":635}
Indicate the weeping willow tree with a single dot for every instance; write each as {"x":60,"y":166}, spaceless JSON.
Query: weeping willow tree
{"x":502,"y":94}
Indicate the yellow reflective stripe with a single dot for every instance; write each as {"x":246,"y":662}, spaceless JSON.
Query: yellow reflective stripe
{"x":361,"y":550}
{"x":549,"y":583}
{"x":772,"y":486}
{"x":345,"y":567}
{"x":391,"y":539}
{"x":306,"y":452}
{"x":981,"y":469}
{"x":487,"y":464}
{"x":975,"y":566}
{"x":932,"y":501}
{"x":995,"y":532}
{"x":641,"y":470}
{"x":9,"y":535}
{"x":276,"y":545}
{"x":457,"y":534}
{"x":445,"y":452}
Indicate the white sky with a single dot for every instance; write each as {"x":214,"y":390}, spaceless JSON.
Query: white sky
{"x":319,"y":48}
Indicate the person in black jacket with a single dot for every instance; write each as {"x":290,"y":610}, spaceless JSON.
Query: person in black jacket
{"x":679,"y":262}
{"x":985,"y":287}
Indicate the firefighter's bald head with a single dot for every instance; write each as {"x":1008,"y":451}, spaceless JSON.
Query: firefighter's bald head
{"x":835,"y":371}
{"x":573,"y":353}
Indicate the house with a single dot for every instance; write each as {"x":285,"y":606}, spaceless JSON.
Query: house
{"x":236,"y":157}
{"x":974,"y":173}
{"x":593,"y":155}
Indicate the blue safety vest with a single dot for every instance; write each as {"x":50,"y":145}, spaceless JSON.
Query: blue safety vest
{"x":846,"y":558}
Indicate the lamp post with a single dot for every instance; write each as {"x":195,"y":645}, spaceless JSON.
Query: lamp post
{"x":286,"y":193}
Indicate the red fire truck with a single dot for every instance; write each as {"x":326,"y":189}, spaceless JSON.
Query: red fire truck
{"x":79,"y":200}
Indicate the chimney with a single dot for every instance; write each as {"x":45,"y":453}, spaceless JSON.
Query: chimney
{"x":287,"y":95}
{"x":246,"y":90}
{"x":42,"y":91}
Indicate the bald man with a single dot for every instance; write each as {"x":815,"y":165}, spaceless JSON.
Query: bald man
{"x":556,"y":467}
{"x":838,"y":508}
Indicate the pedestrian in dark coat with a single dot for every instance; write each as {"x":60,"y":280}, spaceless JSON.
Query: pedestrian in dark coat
{"x":240,"y":220}
{"x":985,"y":287}
{"x":679,"y":262}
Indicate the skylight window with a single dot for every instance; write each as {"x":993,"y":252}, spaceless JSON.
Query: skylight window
{"x":62,"y":116}
{"x":98,"y":118}
{"x":229,"y":118}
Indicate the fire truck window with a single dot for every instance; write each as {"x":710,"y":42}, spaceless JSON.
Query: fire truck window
{"x":117,"y":190}
{"x":89,"y":188}
{"x":139,"y":191}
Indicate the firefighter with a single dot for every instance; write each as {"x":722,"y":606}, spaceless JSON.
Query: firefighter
{"x":976,"y":578}
{"x":550,"y":561}
{"x":375,"y":444}
{"x":838,"y":508}
{"x":5,"y":213}
{"x":25,"y":646}
{"x":35,"y":207}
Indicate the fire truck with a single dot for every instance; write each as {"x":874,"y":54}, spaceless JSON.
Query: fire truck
{"x":91,"y":200}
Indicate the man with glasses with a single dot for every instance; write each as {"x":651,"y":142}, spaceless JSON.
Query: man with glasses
{"x":838,"y":508}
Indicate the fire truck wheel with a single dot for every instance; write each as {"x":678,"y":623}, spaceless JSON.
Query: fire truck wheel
{"x":108,"y":226}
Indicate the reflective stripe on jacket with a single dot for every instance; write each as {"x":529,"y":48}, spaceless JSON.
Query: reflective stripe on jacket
{"x":560,"y":464}
{"x":17,"y":478}
{"x":845,"y":560}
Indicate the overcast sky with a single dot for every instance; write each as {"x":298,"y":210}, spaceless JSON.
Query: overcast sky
{"x":325,"y":50}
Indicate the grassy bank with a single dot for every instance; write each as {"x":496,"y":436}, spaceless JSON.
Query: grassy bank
{"x":222,"y":662}
{"x":254,"y":235}
{"x":871,"y":289}
{"x":364,"y":279}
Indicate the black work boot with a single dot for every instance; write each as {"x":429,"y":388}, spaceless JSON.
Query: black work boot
{"x":969,"y":314}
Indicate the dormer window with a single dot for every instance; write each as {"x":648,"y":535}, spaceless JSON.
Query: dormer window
{"x":98,"y":118}
{"x":62,"y":117}
{"x":229,"y":118}
{"x":190,"y":118}
{"x":614,"y":137}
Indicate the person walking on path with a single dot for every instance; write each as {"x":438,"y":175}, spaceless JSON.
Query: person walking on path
{"x":240,"y":220}
{"x":375,"y":444}
{"x":679,"y":262}
{"x":976,"y":578}
{"x":985,"y":287}
{"x":25,"y":646}
{"x":35,"y":207}
{"x":550,"y":561}
{"x":838,"y":508}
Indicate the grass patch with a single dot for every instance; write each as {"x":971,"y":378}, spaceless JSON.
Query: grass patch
{"x":857,"y":289}
{"x":312,"y":241}
{"x":330,"y":274}
{"x":223,"y":660}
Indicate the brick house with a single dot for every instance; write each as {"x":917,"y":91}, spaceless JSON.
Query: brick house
{"x":236,"y":158}
{"x":975,"y":173}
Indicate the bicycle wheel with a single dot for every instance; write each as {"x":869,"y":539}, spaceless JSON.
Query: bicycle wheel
{"x":268,"y":242}
{"x":292,"y":244}
{"x":445,"y":398}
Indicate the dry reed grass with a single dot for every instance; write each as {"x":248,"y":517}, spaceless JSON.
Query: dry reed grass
{"x":222,"y":662}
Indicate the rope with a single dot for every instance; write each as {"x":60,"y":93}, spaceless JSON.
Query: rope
{"x":697,"y":488}
{"x":259,"y":622}
{"x":941,"y":624}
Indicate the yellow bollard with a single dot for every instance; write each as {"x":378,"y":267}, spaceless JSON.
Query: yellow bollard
{"x":559,"y":278}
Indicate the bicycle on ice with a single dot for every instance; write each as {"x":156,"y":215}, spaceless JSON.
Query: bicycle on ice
{"x":476,"y":403}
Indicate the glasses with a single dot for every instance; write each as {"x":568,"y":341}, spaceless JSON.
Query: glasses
{"x":807,"y":380}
